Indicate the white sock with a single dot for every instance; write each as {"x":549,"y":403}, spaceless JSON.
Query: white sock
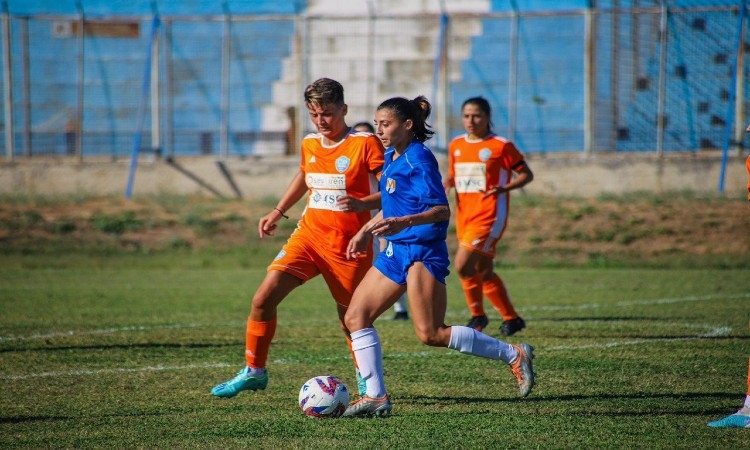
{"x":369,"y":354}
{"x":747,"y":401}
{"x":472,"y":342}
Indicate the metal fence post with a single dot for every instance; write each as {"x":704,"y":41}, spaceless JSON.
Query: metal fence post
{"x":662,"y":77}
{"x":8,"y":87}
{"x":155,"y":100}
{"x":513,"y":71}
{"x":78,"y":125}
{"x":226,"y":49}
{"x":739,"y":129}
{"x":589,"y":78}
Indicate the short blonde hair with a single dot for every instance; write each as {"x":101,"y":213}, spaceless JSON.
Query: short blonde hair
{"x":324,"y":91}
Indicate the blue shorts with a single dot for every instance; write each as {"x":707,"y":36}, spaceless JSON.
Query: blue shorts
{"x":395,"y":260}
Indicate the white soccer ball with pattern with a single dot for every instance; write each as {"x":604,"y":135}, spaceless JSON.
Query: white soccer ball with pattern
{"x":324,"y":397}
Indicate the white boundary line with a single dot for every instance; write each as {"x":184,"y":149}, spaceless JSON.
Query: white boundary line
{"x":102,"y":331}
{"x":663,"y":301}
{"x":719,"y":331}
{"x":713,"y":332}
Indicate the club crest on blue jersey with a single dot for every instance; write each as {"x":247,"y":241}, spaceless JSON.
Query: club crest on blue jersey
{"x":390,"y":185}
{"x":484,"y":154}
{"x":342,"y":163}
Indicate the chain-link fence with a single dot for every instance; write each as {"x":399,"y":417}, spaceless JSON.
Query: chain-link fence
{"x":645,"y":77}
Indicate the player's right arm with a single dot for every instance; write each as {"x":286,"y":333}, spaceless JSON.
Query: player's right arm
{"x":295,"y":191}
{"x":353,"y":204}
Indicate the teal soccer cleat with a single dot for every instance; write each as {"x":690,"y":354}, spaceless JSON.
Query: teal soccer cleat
{"x":241,"y":382}
{"x":740,"y":419}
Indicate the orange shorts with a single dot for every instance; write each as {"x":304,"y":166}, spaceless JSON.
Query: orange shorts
{"x":478,"y":240}
{"x":305,"y":257}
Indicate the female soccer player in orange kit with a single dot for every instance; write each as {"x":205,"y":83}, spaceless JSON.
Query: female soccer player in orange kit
{"x":740,"y":419}
{"x":334,"y":163}
{"x":480,"y":168}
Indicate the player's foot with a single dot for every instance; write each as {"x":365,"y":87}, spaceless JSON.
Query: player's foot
{"x":361,"y":385}
{"x":401,"y":315}
{"x":368,"y":407}
{"x":241,"y":382}
{"x":478,"y":322}
{"x":512,"y":326}
{"x":740,"y":419}
{"x":523,"y":368}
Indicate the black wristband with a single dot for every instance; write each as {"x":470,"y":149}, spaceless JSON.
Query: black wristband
{"x":281,"y":212}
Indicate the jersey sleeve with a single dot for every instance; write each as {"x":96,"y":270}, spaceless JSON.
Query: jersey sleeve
{"x":511,"y":156}
{"x":432,"y":192}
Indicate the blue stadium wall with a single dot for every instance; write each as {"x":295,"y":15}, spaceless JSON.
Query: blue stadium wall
{"x":550,"y":53}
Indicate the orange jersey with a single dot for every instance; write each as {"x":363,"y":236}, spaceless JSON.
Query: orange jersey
{"x":318,"y":245}
{"x":348,"y":168}
{"x":747,"y":166}
{"x":475,"y":167}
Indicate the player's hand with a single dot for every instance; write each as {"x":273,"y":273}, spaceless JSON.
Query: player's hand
{"x":350,"y":204}
{"x":388,"y":227}
{"x":358,"y":245}
{"x":495,"y":190}
{"x":267,"y":224}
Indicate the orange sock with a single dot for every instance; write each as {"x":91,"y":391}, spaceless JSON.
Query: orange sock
{"x":473,"y":292}
{"x":494,"y":289}
{"x":748,"y":374}
{"x":258,"y":337}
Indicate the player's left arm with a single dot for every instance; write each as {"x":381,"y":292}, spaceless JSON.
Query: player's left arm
{"x":392,"y":225}
{"x":523,"y":176}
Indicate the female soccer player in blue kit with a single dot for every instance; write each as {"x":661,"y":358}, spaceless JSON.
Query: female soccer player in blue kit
{"x":414,"y":221}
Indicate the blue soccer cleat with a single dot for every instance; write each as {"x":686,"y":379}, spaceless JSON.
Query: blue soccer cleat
{"x":241,"y":382}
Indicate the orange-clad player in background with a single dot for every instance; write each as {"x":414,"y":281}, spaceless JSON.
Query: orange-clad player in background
{"x":740,"y":419}
{"x":481,"y":167}
{"x":335,"y":163}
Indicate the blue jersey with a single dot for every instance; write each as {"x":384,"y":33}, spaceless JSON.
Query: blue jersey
{"x":412,"y":184}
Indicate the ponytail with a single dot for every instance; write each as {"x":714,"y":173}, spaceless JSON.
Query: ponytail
{"x":417,"y":110}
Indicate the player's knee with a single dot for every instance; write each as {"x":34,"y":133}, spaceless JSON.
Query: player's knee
{"x":343,"y":327}
{"x":429,"y":337}
{"x":466,"y":271}
{"x":351,"y":321}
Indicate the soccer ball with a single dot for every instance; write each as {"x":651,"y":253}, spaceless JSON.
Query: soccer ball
{"x":324,"y":397}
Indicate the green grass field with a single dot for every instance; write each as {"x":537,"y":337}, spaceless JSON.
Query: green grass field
{"x":117,"y":346}
{"x":121,"y":350}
